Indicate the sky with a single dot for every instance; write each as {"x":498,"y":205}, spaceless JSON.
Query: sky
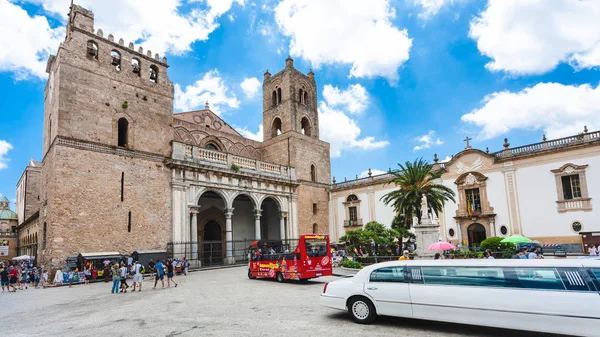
{"x":397,"y":79}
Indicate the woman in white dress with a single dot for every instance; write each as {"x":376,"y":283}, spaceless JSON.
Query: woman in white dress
{"x":58,"y":278}
{"x":593,"y":251}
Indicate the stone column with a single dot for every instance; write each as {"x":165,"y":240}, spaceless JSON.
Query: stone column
{"x":229,"y":236}
{"x":282,"y":216}
{"x":257,"y":224}
{"x":194,"y":231}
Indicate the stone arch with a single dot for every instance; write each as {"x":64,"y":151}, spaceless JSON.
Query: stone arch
{"x":120,"y":116}
{"x":313,"y":172}
{"x":115,"y":59}
{"x":476,"y":233}
{"x":466,"y":178}
{"x":252,"y":196}
{"x":213,"y":140}
{"x":223,"y":194}
{"x":184,"y":136}
{"x":136,"y":66}
{"x":270,"y":218}
{"x":153,"y":74}
{"x":92,"y":49}
{"x":305,"y":126}
{"x":280,"y":203}
{"x":276,"y":126}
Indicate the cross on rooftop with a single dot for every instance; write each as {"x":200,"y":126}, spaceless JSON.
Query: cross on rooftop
{"x":467,"y":140}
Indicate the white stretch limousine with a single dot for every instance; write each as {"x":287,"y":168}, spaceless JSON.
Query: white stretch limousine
{"x":555,"y":296}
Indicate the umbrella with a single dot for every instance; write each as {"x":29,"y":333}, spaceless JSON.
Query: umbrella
{"x":516,"y":239}
{"x":441,"y":246}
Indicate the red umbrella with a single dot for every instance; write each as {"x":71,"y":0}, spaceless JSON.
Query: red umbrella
{"x":441,"y":246}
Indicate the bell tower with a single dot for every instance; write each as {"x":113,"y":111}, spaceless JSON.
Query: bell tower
{"x":291,"y":138}
{"x":290,"y":102}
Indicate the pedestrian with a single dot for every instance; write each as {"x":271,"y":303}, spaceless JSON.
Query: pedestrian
{"x":4,"y":278}
{"x":170,"y":273}
{"x":123,"y":274}
{"x":13,"y":277}
{"x":404,"y":256}
{"x":159,"y":274}
{"x":44,"y":279}
{"x":88,"y":275}
{"x":116,"y":278}
{"x":137,"y":276}
{"x":593,"y":251}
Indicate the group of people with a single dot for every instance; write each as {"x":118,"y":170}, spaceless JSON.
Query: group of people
{"x":21,"y":275}
{"x":120,"y":273}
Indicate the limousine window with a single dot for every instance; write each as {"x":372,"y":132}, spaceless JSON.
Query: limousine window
{"x":388,"y":274}
{"x":572,"y":279}
{"x":539,"y":278}
{"x":465,"y":276}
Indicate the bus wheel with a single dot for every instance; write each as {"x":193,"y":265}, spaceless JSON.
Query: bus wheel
{"x":362,"y":310}
{"x":279,"y":277}
{"x":250,"y":274}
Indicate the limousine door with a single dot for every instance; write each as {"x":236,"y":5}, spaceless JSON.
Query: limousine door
{"x":388,"y":287}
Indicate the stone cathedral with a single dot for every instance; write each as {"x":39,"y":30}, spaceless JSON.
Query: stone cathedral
{"x":121,"y":172}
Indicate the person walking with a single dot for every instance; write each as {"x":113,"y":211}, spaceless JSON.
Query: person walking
{"x":4,"y":279}
{"x":123,"y":273}
{"x":137,"y":276}
{"x":116,"y":278}
{"x":159,"y":274}
{"x":170,"y":273}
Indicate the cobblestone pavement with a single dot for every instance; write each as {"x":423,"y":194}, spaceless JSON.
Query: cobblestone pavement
{"x":221,"y":302}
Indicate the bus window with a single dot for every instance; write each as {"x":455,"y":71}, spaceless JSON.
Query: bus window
{"x":316,"y":248}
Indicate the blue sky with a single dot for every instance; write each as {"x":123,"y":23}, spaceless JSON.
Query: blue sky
{"x":397,"y":79}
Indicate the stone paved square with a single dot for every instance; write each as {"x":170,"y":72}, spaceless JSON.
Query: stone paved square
{"x":222,"y":302}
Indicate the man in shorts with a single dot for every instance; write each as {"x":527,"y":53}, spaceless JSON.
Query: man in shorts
{"x":137,"y":276}
{"x":13,"y":274}
{"x":159,"y":274}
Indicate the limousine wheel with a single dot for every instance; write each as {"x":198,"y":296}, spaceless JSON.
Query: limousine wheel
{"x":279,"y":277}
{"x":362,"y":310}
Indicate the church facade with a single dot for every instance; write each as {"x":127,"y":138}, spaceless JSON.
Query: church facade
{"x":544,"y":191}
{"x":122,"y":172}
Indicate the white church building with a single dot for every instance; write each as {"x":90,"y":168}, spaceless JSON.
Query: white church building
{"x":544,"y":191}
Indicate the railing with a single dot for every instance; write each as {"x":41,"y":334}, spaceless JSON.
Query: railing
{"x":8,"y":234}
{"x":225,"y":160}
{"x":385,"y":177}
{"x":548,"y":145}
{"x":214,"y":156}
{"x":352,"y":223}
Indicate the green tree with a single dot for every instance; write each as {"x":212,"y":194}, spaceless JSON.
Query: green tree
{"x":413,"y":181}
{"x":373,"y":232}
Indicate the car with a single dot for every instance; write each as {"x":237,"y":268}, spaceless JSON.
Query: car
{"x":542,"y":295}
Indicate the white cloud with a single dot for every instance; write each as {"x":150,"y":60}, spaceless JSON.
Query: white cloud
{"x":211,"y":89}
{"x":560,"y":110}
{"x":258,"y":136}
{"x":342,"y":132}
{"x":4,"y":148}
{"x":360,"y":34}
{"x":355,"y":98}
{"x":250,"y":86}
{"x":431,"y":7}
{"x":374,"y":172}
{"x":427,"y":140}
{"x":26,"y":42}
{"x":157,"y":25}
{"x":533,"y":37}
{"x":445,"y":160}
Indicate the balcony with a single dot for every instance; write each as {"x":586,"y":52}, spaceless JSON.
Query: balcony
{"x":579,"y":204}
{"x":353,"y":223}
{"x":8,"y":234}
{"x":231,"y":162}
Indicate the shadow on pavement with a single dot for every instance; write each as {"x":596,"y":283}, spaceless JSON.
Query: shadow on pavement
{"x":450,"y":328}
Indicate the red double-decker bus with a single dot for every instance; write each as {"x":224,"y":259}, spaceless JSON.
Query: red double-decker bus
{"x":311,"y":259}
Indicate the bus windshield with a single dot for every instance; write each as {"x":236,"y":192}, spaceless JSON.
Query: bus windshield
{"x":316,"y":247}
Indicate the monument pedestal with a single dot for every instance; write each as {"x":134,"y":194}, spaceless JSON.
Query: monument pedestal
{"x":426,"y":234}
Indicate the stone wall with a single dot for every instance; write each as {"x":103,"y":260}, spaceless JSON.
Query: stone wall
{"x":32,"y":192}
{"x":86,"y":213}
{"x":93,"y":94}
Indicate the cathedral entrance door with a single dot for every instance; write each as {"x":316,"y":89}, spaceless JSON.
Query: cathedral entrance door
{"x":213,"y":244}
{"x":476,"y":234}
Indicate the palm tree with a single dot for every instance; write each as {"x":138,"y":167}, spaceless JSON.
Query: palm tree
{"x":415,"y":180}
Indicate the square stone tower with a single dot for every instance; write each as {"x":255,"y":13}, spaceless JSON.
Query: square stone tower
{"x":291,"y":137}
{"x":107,"y":129}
